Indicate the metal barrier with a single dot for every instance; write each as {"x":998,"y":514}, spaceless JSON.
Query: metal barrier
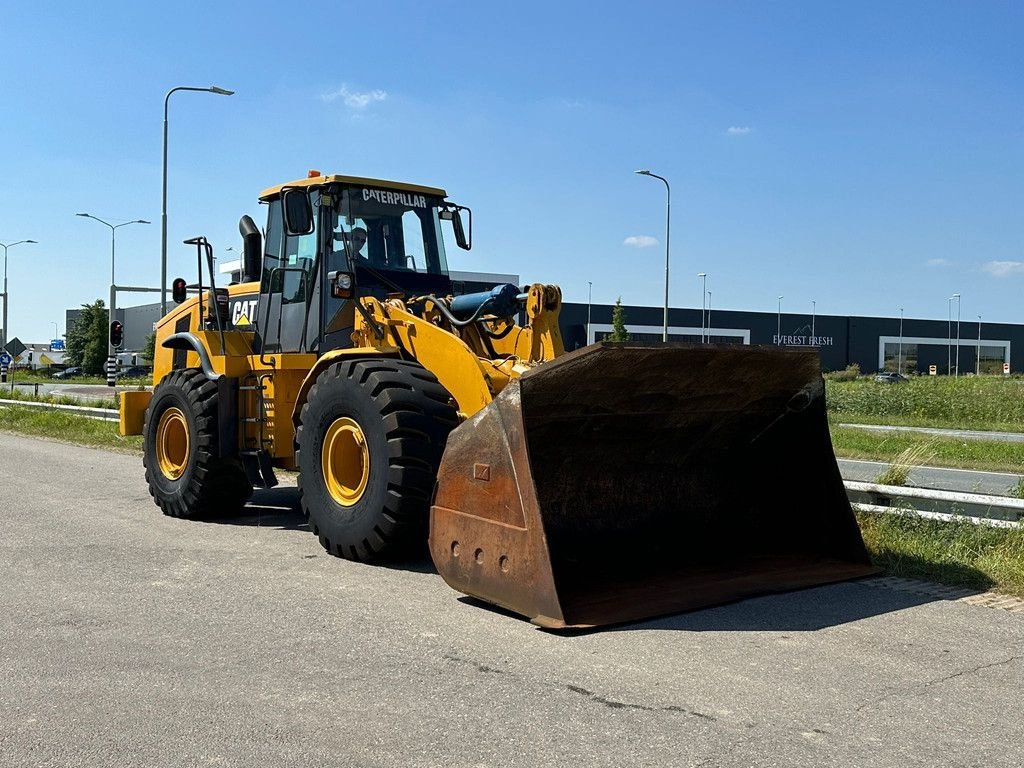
{"x":1008,"y":506}
{"x":106,"y":414}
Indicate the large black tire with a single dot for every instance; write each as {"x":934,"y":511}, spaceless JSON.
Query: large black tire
{"x":185,"y":476}
{"x":384,"y":479}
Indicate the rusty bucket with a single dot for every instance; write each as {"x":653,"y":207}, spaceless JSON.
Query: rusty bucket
{"x":625,"y":481}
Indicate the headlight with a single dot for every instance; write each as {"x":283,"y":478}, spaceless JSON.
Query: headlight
{"x":345,"y":281}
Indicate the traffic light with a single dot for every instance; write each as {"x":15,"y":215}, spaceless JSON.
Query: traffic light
{"x":116,"y":333}
{"x":178,"y":289}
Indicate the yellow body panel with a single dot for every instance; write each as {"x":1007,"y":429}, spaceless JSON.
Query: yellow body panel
{"x":316,"y":181}
{"x":133,"y":411}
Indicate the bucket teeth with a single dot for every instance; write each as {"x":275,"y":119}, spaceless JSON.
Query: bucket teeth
{"x":625,"y":481}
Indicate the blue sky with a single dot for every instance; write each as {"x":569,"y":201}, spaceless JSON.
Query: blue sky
{"x":862,"y":155}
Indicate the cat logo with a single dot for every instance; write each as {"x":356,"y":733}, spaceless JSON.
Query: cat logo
{"x":243,"y":311}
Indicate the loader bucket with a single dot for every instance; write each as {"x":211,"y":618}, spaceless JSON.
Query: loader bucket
{"x":625,"y":481}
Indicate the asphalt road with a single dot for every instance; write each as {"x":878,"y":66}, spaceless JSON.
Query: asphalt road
{"x":943,"y":478}
{"x":131,"y":639}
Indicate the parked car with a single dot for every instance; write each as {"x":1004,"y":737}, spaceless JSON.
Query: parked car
{"x":132,"y":372}
{"x":890,"y":378}
{"x":68,"y":373}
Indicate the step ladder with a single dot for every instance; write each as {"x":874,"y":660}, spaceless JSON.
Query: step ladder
{"x":257,"y":430}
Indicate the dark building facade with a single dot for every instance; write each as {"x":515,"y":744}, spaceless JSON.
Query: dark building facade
{"x":873,"y":343}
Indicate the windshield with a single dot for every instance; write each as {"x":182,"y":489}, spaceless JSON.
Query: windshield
{"x":387,"y":230}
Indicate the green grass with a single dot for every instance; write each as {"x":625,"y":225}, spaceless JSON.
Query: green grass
{"x":958,"y":553}
{"x":67,"y":428}
{"x":992,"y":455}
{"x":970,"y":402}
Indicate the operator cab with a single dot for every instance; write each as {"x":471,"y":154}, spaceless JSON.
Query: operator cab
{"x":385,"y":235}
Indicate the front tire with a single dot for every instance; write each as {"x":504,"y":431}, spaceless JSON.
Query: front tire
{"x":370,"y":440}
{"x":185,"y":476}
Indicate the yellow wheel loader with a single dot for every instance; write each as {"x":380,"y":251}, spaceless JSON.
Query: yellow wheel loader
{"x":617,"y":482}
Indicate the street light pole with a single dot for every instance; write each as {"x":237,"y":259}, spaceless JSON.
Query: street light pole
{"x":163,"y":208}
{"x":703,"y":302}
{"x":709,"y":317}
{"x":957,"y":295}
{"x":3,"y":331}
{"x":778,"y":329}
{"x":814,"y":311}
{"x":977,"y":352}
{"x":899,"y":355}
{"x":668,"y":225}
{"x":949,"y":335}
{"x":113,"y":292}
{"x":590,"y":298}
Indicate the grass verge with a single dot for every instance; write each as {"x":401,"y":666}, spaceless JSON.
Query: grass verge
{"x":67,"y":428}
{"x":995,"y":456}
{"x":958,"y":553}
{"x":970,"y":402}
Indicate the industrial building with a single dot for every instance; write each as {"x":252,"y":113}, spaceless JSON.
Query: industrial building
{"x":873,"y":343}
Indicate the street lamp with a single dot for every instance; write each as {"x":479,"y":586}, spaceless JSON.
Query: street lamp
{"x":778,"y":330}
{"x":709,"y":317}
{"x":977,"y":352}
{"x":814,"y":311}
{"x":590,"y":296}
{"x":3,"y":331}
{"x":668,"y":223}
{"x":899,"y":354}
{"x":949,"y":335}
{"x":113,"y":229}
{"x":163,"y":210}
{"x":957,"y":296}
{"x":703,"y":302}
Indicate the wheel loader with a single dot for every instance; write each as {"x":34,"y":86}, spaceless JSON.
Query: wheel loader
{"x":613,"y":483}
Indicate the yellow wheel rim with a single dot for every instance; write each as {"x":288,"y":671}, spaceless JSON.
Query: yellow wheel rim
{"x":172,"y":443}
{"x":345,"y":461}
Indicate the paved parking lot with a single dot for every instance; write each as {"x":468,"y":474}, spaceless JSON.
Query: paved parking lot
{"x":131,"y":639}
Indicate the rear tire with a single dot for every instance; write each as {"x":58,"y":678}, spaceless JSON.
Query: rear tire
{"x":185,"y":476}
{"x":370,"y":441}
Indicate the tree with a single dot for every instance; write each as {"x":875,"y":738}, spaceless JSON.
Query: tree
{"x":87,"y":339}
{"x":149,"y":351}
{"x":619,"y":332}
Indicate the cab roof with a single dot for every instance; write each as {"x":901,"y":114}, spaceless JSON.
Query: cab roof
{"x":314,"y":181}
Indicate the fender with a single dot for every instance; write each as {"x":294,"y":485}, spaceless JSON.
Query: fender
{"x":353,"y":353}
{"x":191,"y":343}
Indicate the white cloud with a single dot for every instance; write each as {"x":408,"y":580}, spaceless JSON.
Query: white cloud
{"x":738,"y":130}
{"x":640,"y":241}
{"x":354,"y":99}
{"x":1004,"y":268}
{"x":939,"y":262}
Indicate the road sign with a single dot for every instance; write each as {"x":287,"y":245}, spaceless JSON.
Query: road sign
{"x":933,"y":370}
{"x":15,"y":347}
{"x":1006,"y":367}
{"x":5,"y":359}
{"x":56,"y":345}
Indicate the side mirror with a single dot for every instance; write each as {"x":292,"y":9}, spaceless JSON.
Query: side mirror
{"x":178,"y":288}
{"x":252,"y":249}
{"x":298,"y":212}
{"x":454,"y":215}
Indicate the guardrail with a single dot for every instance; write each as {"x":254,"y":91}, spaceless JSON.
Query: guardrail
{"x":1005,"y":506}
{"x":106,"y":414}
